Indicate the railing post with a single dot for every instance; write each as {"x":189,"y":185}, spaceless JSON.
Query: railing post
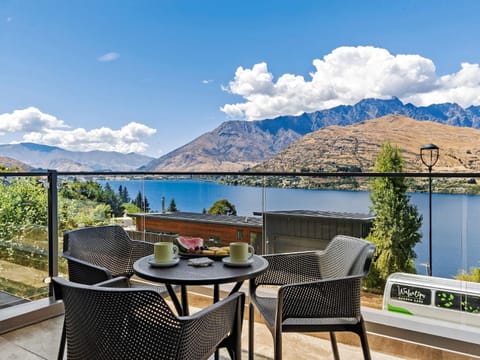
{"x":430,"y":258}
{"x":52,"y":226}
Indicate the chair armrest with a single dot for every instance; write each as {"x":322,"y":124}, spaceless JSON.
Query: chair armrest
{"x":83,"y":272}
{"x":288,"y":268}
{"x":141,"y":249}
{"x":331,"y":298}
{"x":223,"y":319}
{"x":118,"y":282}
{"x":216,"y":308}
{"x":123,"y":282}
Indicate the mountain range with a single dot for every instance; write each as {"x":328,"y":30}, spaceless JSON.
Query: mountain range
{"x":37,"y":157}
{"x":239,"y":145}
{"x":356,"y":147}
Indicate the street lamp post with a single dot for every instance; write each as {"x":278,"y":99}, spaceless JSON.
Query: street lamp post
{"x":429,"y":155}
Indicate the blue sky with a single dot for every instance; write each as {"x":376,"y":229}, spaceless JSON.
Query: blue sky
{"x":150,"y":76}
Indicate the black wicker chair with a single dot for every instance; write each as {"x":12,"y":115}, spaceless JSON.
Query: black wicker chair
{"x":96,"y":254}
{"x":99,"y":253}
{"x":318,"y":291}
{"x":134,"y":323}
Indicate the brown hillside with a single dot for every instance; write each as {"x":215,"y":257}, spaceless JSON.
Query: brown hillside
{"x":12,"y":164}
{"x":355,"y":147}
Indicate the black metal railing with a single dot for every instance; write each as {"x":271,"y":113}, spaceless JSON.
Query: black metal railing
{"x":267,"y":182}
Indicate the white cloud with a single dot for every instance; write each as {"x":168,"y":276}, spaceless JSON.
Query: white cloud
{"x":462,"y":87}
{"x":46,"y":129}
{"x":29,"y":119}
{"x":108,"y":57}
{"x":207,"y":81}
{"x":346,"y":76}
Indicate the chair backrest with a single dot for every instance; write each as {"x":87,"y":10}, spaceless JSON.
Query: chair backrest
{"x":346,"y":255}
{"x":137,"y":323}
{"x":107,"y":246}
{"x":114,"y":323}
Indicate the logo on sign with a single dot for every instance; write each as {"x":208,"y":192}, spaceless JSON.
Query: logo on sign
{"x":411,"y":294}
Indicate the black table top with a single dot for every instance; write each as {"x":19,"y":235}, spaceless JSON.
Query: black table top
{"x":184,"y":274}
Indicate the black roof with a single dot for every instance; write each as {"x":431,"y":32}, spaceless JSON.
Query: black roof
{"x":324,"y":214}
{"x":253,"y":221}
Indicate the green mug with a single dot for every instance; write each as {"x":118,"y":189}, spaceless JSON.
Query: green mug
{"x":164,"y":252}
{"x":241,"y":252}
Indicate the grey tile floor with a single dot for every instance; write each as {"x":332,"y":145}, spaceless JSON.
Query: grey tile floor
{"x":40,"y":341}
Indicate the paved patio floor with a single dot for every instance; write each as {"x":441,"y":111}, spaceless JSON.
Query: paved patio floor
{"x":40,"y":341}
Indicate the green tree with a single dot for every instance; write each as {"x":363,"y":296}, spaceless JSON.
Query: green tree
{"x":222,"y":207}
{"x":146,"y":204}
{"x":113,"y":200}
{"x":395,"y":230}
{"x":81,"y":190}
{"x":473,"y":275}
{"x":123,"y":194}
{"x":138,"y":201}
{"x":102,"y":213}
{"x":131,"y":208}
{"x":68,"y":210}
{"x":141,"y":202}
{"x":172,"y":207}
{"x":23,"y":204}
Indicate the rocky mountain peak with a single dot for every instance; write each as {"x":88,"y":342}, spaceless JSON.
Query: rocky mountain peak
{"x":236,"y":145}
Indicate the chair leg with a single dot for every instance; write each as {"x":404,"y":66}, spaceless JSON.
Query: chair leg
{"x":364,"y":340}
{"x":232,"y":354}
{"x":61,"y":349}
{"x":233,"y":342}
{"x":238,"y":330}
{"x":333,"y":340}
{"x":251,"y":326}
{"x":277,"y":344}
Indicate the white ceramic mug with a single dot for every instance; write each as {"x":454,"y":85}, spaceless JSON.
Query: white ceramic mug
{"x":164,"y":252}
{"x":241,"y":252}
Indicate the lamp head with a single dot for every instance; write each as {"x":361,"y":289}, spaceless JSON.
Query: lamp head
{"x":429,"y":155}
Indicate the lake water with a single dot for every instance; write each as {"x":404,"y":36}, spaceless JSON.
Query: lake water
{"x":455,"y":218}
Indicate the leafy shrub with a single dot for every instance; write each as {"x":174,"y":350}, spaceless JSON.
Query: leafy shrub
{"x":473,"y":276}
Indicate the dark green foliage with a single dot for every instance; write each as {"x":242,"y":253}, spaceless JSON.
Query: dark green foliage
{"x":222,"y":207}
{"x":93,"y":191}
{"x":23,"y":205}
{"x":141,"y":202}
{"x":172,"y":207}
{"x":138,"y":201}
{"x":146,"y":204}
{"x":123,"y":194}
{"x":395,"y":230}
{"x":81,"y":190}
{"x":113,"y":200}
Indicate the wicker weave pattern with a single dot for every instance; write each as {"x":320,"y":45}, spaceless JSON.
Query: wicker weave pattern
{"x":289,"y":268}
{"x":97,"y":253}
{"x":341,"y":256}
{"x":325,"y":299}
{"x":314,"y":286}
{"x":119,"y":323}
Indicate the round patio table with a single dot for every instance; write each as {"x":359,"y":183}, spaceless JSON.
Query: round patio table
{"x":184,"y":274}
